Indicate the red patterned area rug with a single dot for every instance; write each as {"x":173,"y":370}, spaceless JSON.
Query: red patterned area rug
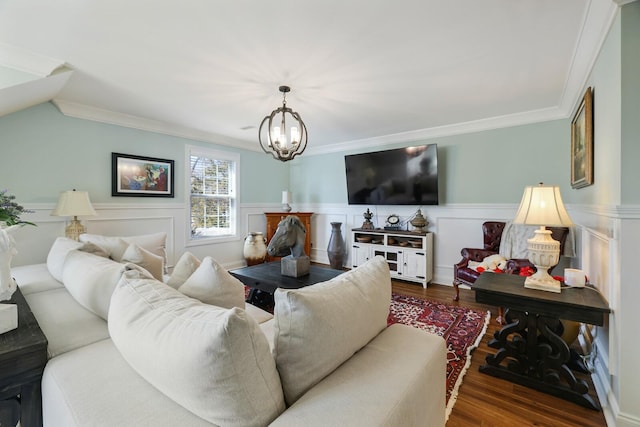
{"x":461,"y":327}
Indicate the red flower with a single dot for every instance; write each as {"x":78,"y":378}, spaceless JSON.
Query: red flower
{"x":526,"y":271}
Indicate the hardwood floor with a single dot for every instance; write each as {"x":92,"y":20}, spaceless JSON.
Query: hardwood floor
{"x":487,"y":401}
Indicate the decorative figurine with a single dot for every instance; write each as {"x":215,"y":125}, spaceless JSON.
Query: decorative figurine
{"x":367,"y":224}
{"x":288,"y":242}
{"x":419,"y":222}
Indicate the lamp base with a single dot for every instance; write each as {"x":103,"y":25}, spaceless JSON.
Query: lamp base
{"x":75,"y":229}
{"x":542,"y":283}
{"x":544,"y":252}
{"x":286,"y":207}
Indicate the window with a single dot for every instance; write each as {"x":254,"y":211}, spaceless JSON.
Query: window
{"x":212,"y":193}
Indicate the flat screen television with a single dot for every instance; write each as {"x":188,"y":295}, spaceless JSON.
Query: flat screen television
{"x":401,"y":176}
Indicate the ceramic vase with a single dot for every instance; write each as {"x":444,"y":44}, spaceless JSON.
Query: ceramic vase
{"x":255,"y":248}
{"x":336,"y":250}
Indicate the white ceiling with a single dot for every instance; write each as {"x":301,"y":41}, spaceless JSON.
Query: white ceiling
{"x":362,"y":72}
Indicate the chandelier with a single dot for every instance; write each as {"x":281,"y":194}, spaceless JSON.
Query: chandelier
{"x":282,"y":142}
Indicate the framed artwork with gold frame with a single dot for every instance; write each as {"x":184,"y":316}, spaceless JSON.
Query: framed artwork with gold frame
{"x":582,"y":143}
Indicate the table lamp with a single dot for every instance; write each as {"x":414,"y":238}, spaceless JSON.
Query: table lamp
{"x":542,"y":205}
{"x":74,"y":203}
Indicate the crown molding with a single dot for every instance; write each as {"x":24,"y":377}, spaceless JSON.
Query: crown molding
{"x":88,"y":112}
{"x":509,"y":120}
{"x":29,"y":62}
{"x":597,"y":21}
{"x":596,"y":24}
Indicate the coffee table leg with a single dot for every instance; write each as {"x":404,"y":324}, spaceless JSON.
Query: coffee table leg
{"x":261,"y":299}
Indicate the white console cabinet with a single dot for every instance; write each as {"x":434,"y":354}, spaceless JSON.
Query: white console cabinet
{"x":409,"y":254}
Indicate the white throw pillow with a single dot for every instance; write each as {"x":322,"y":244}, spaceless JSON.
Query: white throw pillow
{"x":184,"y":268}
{"x":319,"y":327}
{"x":94,"y":249}
{"x":115,"y":246}
{"x":91,"y":279}
{"x":213,"y":361}
{"x":58,"y":252}
{"x":214,"y":285}
{"x":154,"y":264}
{"x":156,"y":243}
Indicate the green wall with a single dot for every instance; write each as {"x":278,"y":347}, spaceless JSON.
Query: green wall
{"x":630,"y":92}
{"x":482,"y":167}
{"x":44,"y":152}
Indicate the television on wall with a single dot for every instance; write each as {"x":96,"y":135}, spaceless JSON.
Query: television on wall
{"x":401,"y":176}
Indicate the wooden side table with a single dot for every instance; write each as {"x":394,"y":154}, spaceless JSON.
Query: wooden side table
{"x":274,"y":218}
{"x":530,"y":350}
{"x":23,"y":355}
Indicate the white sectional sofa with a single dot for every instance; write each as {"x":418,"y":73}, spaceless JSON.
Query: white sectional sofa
{"x":129,"y":350}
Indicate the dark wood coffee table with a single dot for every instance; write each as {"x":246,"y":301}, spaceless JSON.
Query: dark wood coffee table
{"x":264,"y":279}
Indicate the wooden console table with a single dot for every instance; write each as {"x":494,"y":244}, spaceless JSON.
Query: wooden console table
{"x":530,"y":350}
{"x":23,"y":354}
{"x":274,"y":218}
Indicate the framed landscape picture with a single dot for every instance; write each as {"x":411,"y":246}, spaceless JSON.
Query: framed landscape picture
{"x":141,"y":176}
{"x":582,"y":143}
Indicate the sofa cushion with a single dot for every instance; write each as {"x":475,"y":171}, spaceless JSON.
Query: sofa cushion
{"x":58,"y":252}
{"x":34,"y":278}
{"x":319,"y":327}
{"x":93,"y":249}
{"x":115,"y":246}
{"x":66,"y":324}
{"x":214,"y":285}
{"x":213,"y":361}
{"x":398,"y":379}
{"x":154,"y":264}
{"x":184,"y":268}
{"x":94,"y":386}
{"x":91,"y":280}
{"x":156,"y":243}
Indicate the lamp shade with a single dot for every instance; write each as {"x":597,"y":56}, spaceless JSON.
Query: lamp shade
{"x":542,"y":205}
{"x":74,"y":203}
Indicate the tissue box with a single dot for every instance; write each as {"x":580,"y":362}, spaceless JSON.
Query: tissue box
{"x":8,"y":317}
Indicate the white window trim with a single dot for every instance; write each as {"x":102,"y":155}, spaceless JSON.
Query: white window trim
{"x":193,"y":150}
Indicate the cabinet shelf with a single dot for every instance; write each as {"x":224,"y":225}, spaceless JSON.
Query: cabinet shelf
{"x":408,"y":253}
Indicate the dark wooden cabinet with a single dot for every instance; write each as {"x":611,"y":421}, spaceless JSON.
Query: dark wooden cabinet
{"x":274,"y":218}
{"x":23,"y":355}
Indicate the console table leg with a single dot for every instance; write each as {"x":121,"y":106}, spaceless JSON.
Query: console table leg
{"x":535,"y":356}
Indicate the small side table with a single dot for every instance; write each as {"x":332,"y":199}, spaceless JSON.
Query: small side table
{"x":530,"y":350}
{"x":23,"y":355}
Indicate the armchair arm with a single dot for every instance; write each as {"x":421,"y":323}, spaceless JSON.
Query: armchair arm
{"x":471,"y":254}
